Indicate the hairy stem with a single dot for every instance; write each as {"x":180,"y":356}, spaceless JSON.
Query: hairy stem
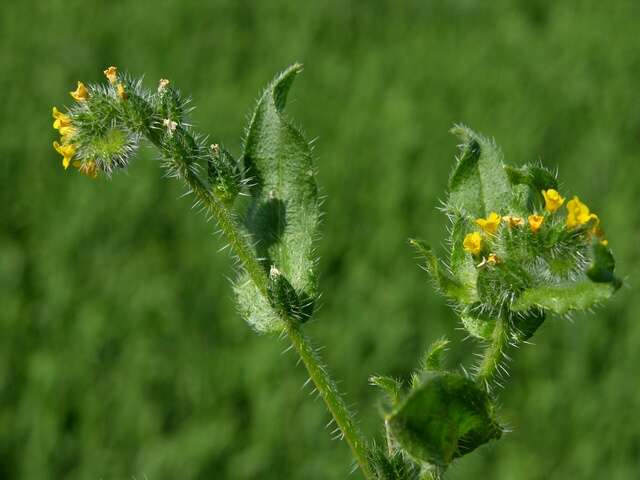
{"x":331,"y":396}
{"x":310,"y":357}
{"x":238,"y":242}
{"x":493,"y":355}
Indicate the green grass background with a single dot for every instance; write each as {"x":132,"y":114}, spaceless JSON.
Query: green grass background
{"x":121,"y":355}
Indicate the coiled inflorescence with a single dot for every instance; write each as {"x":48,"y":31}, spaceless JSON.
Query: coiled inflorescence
{"x":101,"y":131}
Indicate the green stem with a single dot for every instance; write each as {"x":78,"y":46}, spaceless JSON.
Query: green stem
{"x":311,"y":359}
{"x":332,"y":398}
{"x":238,"y":242}
{"x":493,"y":355}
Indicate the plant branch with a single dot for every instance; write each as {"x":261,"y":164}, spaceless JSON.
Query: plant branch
{"x":310,"y":357}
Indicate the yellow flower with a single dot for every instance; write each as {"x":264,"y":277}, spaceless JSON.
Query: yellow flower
{"x":579,"y":214}
{"x":605,"y":242}
{"x":121,"y":92}
{"x":472,"y":243}
{"x":535,"y":222}
{"x":552,"y":200}
{"x":67,"y":152}
{"x":81,"y":93}
{"x":62,"y":123}
{"x":112,"y":74}
{"x":492,"y":259}
{"x":89,"y":168}
{"x":60,"y":119}
{"x":490,"y":224}
{"x":513,"y":221}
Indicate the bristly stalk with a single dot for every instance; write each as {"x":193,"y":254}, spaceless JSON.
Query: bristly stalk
{"x":319,"y":375}
{"x":331,"y":396}
{"x":494,"y":354}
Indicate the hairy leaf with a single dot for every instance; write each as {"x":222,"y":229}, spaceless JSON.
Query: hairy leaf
{"x":446,"y":417}
{"x":478,"y":327}
{"x":478,"y":184}
{"x":564,"y":297}
{"x":537,"y":177}
{"x":461,"y":262}
{"x":283,"y":213}
{"x":603,"y":266}
{"x":448,"y":285}
{"x":525,"y":324}
{"x":391,"y":386}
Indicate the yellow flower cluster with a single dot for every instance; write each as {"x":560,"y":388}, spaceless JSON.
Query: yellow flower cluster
{"x":62,"y":123}
{"x":577,"y":214}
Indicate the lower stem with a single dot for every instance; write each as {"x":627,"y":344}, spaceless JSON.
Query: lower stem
{"x":493,"y":355}
{"x":332,"y":398}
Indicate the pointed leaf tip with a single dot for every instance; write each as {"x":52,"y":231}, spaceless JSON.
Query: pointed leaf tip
{"x":280,"y":86}
{"x":478,"y":184}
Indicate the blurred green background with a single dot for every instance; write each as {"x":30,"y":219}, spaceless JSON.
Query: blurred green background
{"x":121,"y":355}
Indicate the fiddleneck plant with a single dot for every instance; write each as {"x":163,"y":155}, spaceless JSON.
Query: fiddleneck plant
{"x":517,"y":252}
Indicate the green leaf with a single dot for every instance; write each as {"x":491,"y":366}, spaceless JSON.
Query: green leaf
{"x":393,"y":466}
{"x":433,"y":361}
{"x":564,"y":297}
{"x":525,"y":324}
{"x":537,"y":177}
{"x":603,"y":266}
{"x":480,"y":328}
{"x":448,"y":286}
{"x":283,"y":214}
{"x":446,"y":417}
{"x":434,"y":358}
{"x":478,"y":184}
{"x":461,"y":262}
{"x":391,"y":386}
